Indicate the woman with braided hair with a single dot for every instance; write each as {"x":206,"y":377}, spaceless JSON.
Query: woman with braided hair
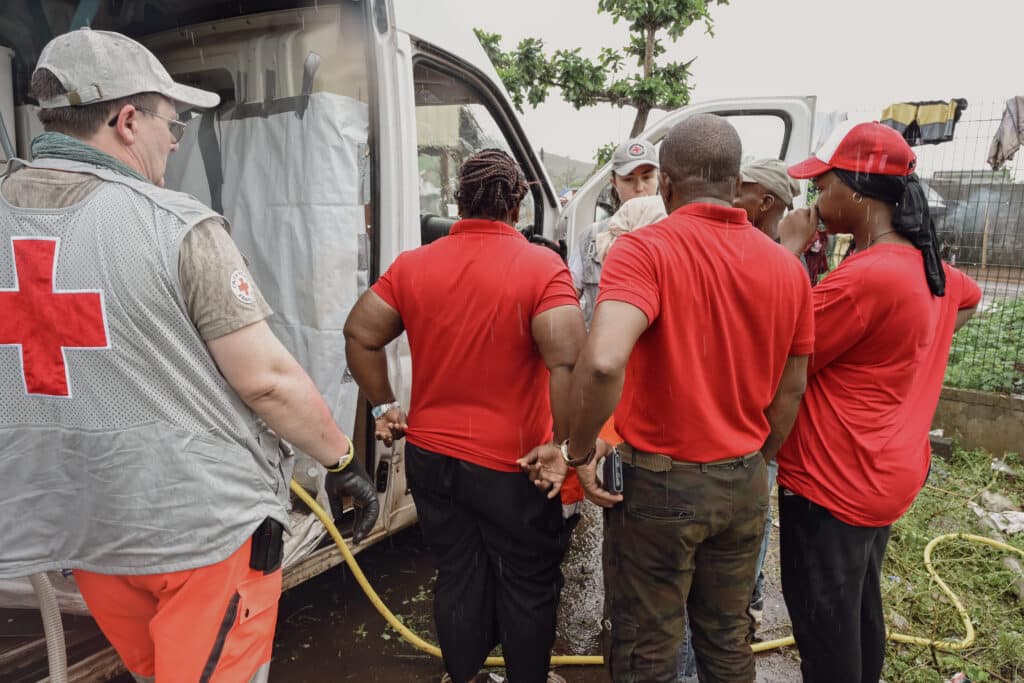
{"x":858,"y":453}
{"x":494,"y":328}
{"x":491,"y":186}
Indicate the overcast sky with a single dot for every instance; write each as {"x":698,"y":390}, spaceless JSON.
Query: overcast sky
{"x":855,"y":55}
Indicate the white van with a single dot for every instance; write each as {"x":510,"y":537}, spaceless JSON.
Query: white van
{"x":338,"y":145}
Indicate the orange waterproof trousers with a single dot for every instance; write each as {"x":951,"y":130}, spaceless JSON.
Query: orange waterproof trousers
{"x":211,"y":624}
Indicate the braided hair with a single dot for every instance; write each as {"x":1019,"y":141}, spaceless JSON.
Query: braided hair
{"x":491,"y":185}
{"x":910,"y":217}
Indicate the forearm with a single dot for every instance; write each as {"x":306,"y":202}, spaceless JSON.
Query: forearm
{"x":559,"y":387}
{"x":963,"y":315}
{"x":594,"y":395}
{"x":369,"y":368}
{"x":781,"y":415}
{"x":293,"y":407}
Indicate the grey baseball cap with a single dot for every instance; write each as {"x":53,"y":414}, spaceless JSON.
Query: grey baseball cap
{"x":633,"y":153}
{"x":99,"y":66}
{"x":771,"y":174}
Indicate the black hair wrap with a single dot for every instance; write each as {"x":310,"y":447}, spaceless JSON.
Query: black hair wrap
{"x":910,"y":216}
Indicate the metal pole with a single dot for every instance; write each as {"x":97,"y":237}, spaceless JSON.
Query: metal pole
{"x":5,"y":140}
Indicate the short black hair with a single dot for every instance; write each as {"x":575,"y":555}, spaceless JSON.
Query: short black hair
{"x":702,"y":150}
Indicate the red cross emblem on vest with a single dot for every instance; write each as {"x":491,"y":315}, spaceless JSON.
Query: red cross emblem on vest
{"x":44,"y":322}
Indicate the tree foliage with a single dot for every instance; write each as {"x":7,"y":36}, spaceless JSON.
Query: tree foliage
{"x":529,"y":73}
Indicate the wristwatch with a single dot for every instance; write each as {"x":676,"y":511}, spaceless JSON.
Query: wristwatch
{"x":346,"y":459}
{"x":579,"y":462}
{"x":379,"y":411}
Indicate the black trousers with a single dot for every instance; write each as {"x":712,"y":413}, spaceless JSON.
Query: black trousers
{"x":499,"y":544}
{"x":831,"y":581}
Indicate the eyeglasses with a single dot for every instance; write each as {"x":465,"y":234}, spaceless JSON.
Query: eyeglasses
{"x":176,"y":127}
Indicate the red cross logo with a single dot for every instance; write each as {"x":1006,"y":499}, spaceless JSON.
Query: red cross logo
{"x":42,"y":322}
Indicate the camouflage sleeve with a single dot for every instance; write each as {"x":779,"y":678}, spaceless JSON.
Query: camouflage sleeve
{"x":219,"y":293}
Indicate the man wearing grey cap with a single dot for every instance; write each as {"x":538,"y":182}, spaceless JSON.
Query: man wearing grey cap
{"x":634,"y":174}
{"x":766,"y":191}
{"x":139,"y":379}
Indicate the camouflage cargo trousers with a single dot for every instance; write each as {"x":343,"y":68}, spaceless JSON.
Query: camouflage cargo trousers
{"x":683,"y":539}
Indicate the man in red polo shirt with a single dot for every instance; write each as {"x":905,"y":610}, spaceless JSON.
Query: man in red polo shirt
{"x":703,"y":325}
{"x":494,"y":328}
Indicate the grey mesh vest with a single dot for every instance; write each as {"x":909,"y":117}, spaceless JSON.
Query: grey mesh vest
{"x":122,"y":448}
{"x":591,"y":267}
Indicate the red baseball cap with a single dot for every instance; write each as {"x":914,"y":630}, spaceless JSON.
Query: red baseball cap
{"x":860,"y":147}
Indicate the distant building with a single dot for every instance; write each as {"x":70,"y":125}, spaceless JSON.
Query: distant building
{"x":983,"y":220}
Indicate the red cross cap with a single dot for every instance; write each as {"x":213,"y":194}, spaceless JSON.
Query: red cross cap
{"x":43,"y":322}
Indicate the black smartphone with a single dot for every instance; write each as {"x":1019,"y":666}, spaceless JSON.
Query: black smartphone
{"x":613,"y":472}
{"x":267,"y":546}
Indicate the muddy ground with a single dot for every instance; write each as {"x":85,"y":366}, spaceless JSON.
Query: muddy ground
{"x":328,"y":631}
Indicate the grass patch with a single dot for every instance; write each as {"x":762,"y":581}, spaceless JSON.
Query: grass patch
{"x":988,"y":352}
{"x":914,"y":605}
{"x":415,"y":613}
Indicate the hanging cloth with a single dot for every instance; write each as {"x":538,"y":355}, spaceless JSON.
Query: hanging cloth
{"x":924,"y":123}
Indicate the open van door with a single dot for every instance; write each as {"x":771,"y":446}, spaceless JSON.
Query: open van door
{"x":779,"y":127}
{"x":443,"y":101}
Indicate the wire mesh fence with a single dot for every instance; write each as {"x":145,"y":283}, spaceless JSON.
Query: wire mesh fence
{"x":978,"y":209}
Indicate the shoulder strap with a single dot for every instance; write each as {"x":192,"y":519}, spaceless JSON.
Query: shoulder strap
{"x":209,"y":149}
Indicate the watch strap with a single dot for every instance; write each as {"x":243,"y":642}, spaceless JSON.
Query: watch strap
{"x":346,"y":459}
{"x":379,"y":411}
{"x":578,"y":462}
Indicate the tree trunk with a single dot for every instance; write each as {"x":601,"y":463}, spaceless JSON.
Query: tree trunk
{"x":642,"y":110}
{"x":640,"y":122}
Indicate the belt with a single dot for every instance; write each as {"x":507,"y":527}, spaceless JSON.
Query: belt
{"x":657,"y":462}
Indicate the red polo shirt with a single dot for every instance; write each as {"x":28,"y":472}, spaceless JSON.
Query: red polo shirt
{"x":479,"y":385}
{"x":859,"y":447}
{"x":727,"y":306}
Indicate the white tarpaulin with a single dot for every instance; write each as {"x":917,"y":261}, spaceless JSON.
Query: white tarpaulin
{"x":295,"y":182}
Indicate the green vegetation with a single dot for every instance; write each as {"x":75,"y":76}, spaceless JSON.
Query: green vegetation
{"x":418,"y":619}
{"x":988,"y":353}
{"x":914,"y":604}
{"x":529,"y":74}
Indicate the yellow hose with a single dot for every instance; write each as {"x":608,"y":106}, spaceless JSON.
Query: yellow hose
{"x":594,"y":660}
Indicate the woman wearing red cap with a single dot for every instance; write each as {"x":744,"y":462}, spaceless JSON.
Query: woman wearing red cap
{"x":859,"y":452}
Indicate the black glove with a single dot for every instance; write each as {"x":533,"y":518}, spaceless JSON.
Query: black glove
{"x":353,"y":481}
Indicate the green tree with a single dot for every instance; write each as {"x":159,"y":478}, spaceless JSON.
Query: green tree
{"x":604,"y":154}
{"x":529,"y":74}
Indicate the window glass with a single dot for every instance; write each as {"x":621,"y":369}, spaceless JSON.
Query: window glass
{"x":452,"y":123}
{"x":762,"y":135}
